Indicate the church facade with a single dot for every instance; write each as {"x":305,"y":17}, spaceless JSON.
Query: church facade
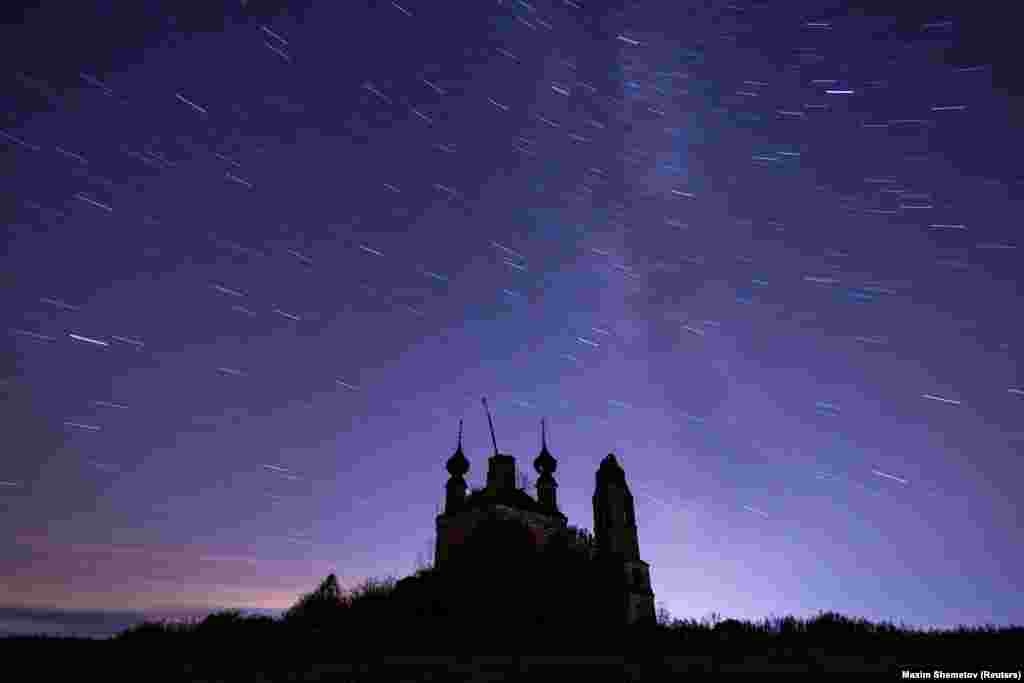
{"x":614,"y":546}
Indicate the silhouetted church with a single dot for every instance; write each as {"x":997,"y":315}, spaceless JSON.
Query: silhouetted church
{"x":475,"y":520}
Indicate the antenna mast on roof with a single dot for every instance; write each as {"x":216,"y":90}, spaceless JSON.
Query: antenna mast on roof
{"x":491,"y":423}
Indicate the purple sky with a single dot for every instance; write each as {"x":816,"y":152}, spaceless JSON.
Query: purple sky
{"x":261,"y":260}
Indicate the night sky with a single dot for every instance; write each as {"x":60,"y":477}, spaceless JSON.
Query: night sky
{"x":261,"y":259}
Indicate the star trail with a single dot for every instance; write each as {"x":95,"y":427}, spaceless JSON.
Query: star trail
{"x":262,"y":258}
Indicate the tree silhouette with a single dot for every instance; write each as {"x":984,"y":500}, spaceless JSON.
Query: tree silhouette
{"x":321,"y":607}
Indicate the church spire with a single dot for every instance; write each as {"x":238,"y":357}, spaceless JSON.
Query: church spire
{"x":458,"y":465}
{"x":545,"y":464}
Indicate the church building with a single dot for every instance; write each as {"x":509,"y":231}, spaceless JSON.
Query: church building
{"x":614,"y":546}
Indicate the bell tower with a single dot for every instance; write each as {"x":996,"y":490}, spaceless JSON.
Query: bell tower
{"x":617,"y":541}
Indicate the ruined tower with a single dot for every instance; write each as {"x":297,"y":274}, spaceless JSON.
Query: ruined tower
{"x":618,"y":545}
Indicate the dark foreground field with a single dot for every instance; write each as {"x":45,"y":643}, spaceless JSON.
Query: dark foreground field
{"x":394,"y":632}
{"x":313,"y":657}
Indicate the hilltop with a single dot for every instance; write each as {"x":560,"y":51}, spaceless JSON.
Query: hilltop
{"x":330,"y":632}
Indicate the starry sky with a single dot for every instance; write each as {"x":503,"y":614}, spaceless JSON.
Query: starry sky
{"x":261,"y":258}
